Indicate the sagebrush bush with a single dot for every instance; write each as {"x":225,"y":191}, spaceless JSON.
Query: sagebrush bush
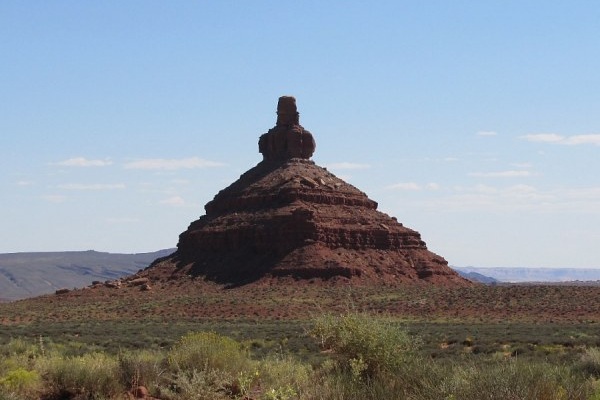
{"x":590,"y":362}
{"x":283,"y":374}
{"x":95,"y":374}
{"x":21,"y":382}
{"x":206,"y":384}
{"x":366,"y":345}
{"x":17,"y":346}
{"x":141,"y":368}
{"x":208,"y":350}
{"x":512,"y":379}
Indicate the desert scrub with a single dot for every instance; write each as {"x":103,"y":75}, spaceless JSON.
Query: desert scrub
{"x":20,"y":383}
{"x":207,"y":351}
{"x":142,"y":368}
{"x":95,"y":375}
{"x":282,"y":376}
{"x":366,"y":345}
{"x":206,"y":384}
{"x":590,"y":362}
{"x":511,"y":379}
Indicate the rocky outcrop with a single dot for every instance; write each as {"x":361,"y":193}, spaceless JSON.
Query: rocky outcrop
{"x":290,"y":217}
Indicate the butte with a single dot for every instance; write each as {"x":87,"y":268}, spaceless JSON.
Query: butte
{"x":289,"y":218}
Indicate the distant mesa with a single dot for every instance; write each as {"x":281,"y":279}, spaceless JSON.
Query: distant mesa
{"x":289,"y":218}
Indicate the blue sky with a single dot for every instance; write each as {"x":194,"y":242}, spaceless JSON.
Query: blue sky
{"x":475,"y":123}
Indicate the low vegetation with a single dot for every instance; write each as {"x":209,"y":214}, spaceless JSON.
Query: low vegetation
{"x":360,"y":356}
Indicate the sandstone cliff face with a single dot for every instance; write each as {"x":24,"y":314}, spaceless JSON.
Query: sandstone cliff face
{"x":290,"y":217}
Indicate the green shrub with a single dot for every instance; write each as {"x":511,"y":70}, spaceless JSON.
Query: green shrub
{"x":208,"y":350}
{"x":590,"y":362}
{"x":512,"y":379}
{"x":366,"y":345}
{"x":207,"y":384}
{"x":281,"y":376}
{"x":17,"y":346}
{"x":21,"y":381}
{"x":141,"y":368}
{"x":95,"y":375}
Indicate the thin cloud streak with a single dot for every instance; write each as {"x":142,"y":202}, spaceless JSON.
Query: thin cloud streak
{"x":172,"y":164}
{"x":347,"y":165}
{"x":55,"y":198}
{"x":92,"y":186}
{"x":413,"y":186}
{"x":121,"y":220}
{"x":593,"y":139}
{"x":83,"y":162}
{"x":25,"y":183}
{"x":502,"y":174}
{"x":516,"y":198}
{"x":176,"y":201}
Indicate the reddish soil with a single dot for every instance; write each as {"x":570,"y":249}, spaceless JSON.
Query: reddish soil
{"x":188,"y":298}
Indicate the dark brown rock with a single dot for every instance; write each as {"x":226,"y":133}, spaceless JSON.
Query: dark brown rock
{"x":145,"y":287}
{"x":140,"y":392}
{"x":288,"y":139}
{"x":288,"y":217}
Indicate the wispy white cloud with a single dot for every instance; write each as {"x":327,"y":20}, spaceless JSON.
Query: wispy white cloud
{"x":92,"y":186}
{"x":55,"y":198}
{"x":515,"y":198}
{"x":121,"y":220}
{"x":181,"y":182}
{"x":347,"y":165}
{"x":522,"y":165}
{"x":583,"y":139}
{"x":83,"y":162}
{"x":503,"y":174}
{"x":561,"y":139}
{"x":172,"y":164}
{"x":176,"y":201}
{"x":413,"y":186}
{"x":451,"y":159}
{"x":410,"y":186}
{"x":25,"y":183}
{"x":486,"y":133}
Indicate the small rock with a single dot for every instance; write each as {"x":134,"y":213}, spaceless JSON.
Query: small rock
{"x":113,"y":285}
{"x":308,"y":181}
{"x":145,"y":287}
{"x":140,"y":392}
{"x":138,"y":281}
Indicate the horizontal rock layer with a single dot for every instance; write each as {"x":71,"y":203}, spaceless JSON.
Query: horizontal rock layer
{"x":297,"y":219}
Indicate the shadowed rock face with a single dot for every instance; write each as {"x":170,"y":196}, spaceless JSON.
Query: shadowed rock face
{"x":290,"y":217}
{"x":288,"y":139}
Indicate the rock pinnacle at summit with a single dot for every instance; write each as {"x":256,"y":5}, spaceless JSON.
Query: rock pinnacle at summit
{"x":288,"y":139}
{"x":289,"y":218}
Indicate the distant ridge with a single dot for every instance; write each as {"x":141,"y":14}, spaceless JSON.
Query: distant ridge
{"x":522,"y":275}
{"x":477,"y":277}
{"x":25,"y":275}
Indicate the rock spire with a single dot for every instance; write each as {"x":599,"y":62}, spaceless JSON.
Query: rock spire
{"x":288,"y":217}
{"x":288,"y":139}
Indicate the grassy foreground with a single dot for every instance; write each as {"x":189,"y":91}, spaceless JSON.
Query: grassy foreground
{"x":362,"y":357}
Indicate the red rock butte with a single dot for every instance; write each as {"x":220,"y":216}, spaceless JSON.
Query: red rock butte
{"x":288,"y":217}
